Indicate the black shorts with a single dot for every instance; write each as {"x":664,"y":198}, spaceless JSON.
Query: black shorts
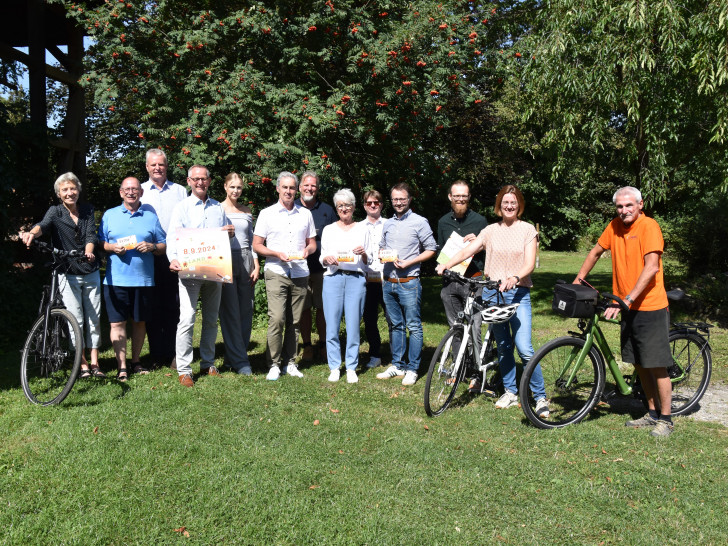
{"x":644,"y":336}
{"x":123,"y":302}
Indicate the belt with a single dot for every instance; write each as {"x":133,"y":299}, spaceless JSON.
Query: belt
{"x":347,"y":272}
{"x":400,"y":280}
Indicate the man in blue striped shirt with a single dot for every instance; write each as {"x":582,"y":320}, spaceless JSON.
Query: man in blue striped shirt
{"x":406,"y":242}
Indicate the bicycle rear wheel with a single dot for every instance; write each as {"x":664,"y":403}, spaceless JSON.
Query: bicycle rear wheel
{"x":690,"y":372}
{"x":444,"y":374}
{"x":47,"y":376}
{"x":572,"y":389}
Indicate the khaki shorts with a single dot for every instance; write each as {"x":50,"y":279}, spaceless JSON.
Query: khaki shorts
{"x":315,"y":289}
{"x":644,"y":336}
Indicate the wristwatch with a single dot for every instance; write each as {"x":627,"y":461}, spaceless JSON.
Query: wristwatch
{"x":629,"y":299}
{"x":518,"y":279}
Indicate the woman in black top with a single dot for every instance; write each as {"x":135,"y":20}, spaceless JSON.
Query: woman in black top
{"x":73,"y":227}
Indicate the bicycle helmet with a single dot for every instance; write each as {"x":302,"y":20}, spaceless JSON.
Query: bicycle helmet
{"x":499,"y":313}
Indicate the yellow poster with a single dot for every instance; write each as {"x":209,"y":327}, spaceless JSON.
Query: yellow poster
{"x":204,"y":254}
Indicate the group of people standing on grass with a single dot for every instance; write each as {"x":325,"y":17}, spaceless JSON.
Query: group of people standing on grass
{"x":316,"y":258}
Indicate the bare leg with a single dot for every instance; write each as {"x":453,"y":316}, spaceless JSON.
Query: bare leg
{"x":94,"y":357}
{"x":118,"y":341}
{"x":138,"y":331}
{"x":664,"y":389}
{"x":649,"y":386}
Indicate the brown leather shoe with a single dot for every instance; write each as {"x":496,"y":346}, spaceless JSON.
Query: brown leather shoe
{"x":173,"y":364}
{"x":307,"y":353}
{"x":212,"y":370}
{"x":186,"y":380}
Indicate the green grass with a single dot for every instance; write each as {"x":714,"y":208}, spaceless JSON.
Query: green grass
{"x":242,"y":460}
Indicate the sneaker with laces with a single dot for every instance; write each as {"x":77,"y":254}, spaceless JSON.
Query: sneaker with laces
{"x":644,"y":421}
{"x":351,"y":376}
{"x":508,"y":400}
{"x":542,"y":408}
{"x":392,"y":371}
{"x":273,"y":374}
{"x":334,"y":375}
{"x":410,"y":378}
{"x":374,"y":362}
{"x":292,"y":370}
{"x":662,"y":429}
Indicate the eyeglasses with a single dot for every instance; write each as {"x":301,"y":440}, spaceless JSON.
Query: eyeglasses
{"x":460,"y":197}
{"x":130,"y":190}
{"x":344,"y":207}
{"x":372,"y":203}
{"x":400,"y":200}
{"x":198,"y":179}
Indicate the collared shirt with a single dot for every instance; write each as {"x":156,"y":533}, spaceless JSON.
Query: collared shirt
{"x":410,"y":236}
{"x":473,"y":223}
{"x":163,"y":200}
{"x":194,"y":213}
{"x":133,"y":268}
{"x":285,"y":231}
{"x":69,"y":235}
{"x":335,"y":241}
{"x":323,"y":215}
{"x":374,"y":230}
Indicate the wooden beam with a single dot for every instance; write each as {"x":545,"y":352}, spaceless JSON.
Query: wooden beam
{"x":11,"y":54}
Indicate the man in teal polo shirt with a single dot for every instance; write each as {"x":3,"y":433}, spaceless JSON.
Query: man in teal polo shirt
{"x":131,"y":235}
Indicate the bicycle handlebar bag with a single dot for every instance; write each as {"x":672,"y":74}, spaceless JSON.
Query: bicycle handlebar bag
{"x":574,"y":300}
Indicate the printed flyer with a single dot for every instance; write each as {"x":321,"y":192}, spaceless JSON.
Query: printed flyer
{"x":204,"y":254}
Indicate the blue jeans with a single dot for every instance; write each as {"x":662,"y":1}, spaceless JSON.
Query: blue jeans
{"x":516,"y":331}
{"x":403,"y":302}
{"x":343,"y":294}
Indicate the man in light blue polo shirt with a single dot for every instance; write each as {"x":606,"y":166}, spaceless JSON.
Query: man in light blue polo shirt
{"x":132,"y":236}
{"x":406,"y":242}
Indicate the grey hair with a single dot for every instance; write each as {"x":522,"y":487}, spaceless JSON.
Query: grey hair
{"x":156,"y":151}
{"x":66,"y":177}
{"x":637,"y":194}
{"x":310,"y":174}
{"x":286,"y":174}
{"x":346,"y":196}
{"x":198,"y":167}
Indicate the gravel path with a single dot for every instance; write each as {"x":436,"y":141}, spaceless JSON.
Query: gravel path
{"x":714,"y":405}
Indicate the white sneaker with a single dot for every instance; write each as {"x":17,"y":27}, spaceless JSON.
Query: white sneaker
{"x":508,"y":400}
{"x":542,"y":408}
{"x":374,"y":362}
{"x":273,"y":374}
{"x":351,"y":376}
{"x":392,"y":371}
{"x":410,"y":378}
{"x":334,"y":375}
{"x":292,"y":370}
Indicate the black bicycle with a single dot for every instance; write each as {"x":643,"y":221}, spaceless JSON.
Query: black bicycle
{"x":53,"y":351}
{"x":456,"y":358}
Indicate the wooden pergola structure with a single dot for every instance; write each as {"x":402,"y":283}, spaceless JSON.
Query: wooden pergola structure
{"x":44,"y":27}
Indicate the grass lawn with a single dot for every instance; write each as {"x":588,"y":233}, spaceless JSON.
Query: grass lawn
{"x":240,"y":460}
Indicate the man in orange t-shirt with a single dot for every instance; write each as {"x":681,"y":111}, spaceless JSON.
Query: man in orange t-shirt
{"x":636,"y":244}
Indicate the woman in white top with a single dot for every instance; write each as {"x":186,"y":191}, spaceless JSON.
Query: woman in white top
{"x":343,"y":253}
{"x":510,"y":256}
{"x":236,"y":304}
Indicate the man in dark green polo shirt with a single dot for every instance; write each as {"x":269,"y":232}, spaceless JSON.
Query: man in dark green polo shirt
{"x":468,"y":224}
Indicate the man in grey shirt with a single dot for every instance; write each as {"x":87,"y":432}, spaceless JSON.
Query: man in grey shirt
{"x":406,"y":242}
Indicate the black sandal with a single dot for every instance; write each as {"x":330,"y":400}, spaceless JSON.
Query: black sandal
{"x":85,"y":374}
{"x":138,"y":369}
{"x":96,"y":371}
{"x":122,"y":375}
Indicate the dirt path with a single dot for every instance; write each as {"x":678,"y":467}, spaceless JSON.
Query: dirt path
{"x":714,"y":405}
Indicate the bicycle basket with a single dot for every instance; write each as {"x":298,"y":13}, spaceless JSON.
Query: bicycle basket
{"x":574,"y":300}
{"x":499,"y":313}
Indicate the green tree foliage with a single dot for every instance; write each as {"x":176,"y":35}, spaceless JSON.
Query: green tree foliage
{"x":366,"y":94}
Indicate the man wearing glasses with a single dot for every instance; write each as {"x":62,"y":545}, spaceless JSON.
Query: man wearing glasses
{"x":162,"y":195}
{"x":407,"y":241}
{"x":196,"y":211}
{"x":373,"y":203}
{"x":323,"y":215}
{"x":466,"y":223}
{"x":131,"y":235}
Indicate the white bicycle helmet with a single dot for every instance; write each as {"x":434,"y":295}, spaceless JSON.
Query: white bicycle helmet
{"x":499,"y":313}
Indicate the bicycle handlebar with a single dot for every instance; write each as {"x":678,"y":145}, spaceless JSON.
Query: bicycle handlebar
{"x":607,"y":297}
{"x":45,"y":247}
{"x":483,"y":281}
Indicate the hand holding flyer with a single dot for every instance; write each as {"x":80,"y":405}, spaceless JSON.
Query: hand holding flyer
{"x":204,"y":254}
{"x":387,"y":255}
{"x":453,"y":245}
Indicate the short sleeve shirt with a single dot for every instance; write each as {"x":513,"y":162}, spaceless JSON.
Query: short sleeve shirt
{"x":629,"y":246}
{"x":505,"y":249}
{"x":285,"y":231}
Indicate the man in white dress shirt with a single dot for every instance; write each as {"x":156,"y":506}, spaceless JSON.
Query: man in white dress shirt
{"x":196,"y":211}
{"x":162,"y":195}
{"x":285,"y":235}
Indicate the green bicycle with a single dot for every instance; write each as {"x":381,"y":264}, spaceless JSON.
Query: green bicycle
{"x":574,"y":372}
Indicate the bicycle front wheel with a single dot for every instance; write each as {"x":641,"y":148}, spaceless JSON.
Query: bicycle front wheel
{"x":690,"y":372}
{"x":444,"y":374}
{"x":47,"y":373}
{"x":572,"y":388}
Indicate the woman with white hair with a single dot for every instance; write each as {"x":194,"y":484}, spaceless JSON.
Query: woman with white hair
{"x":343,"y":254}
{"x":73,"y":227}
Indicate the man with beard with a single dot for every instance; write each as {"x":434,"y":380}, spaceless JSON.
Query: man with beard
{"x":323,"y":215}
